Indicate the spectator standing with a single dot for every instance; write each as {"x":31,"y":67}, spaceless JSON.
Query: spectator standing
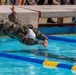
{"x":7,"y":2}
{"x":62,"y":2}
{"x":2,"y":2}
{"x":31,"y":2}
{"x":41,"y":2}
{"x":20,"y":2}
{"x":56,"y":2}
{"x":75,"y":2}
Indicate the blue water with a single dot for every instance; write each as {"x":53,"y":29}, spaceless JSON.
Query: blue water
{"x":55,"y":51}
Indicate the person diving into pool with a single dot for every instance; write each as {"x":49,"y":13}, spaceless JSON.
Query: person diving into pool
{"x":26,"y":34}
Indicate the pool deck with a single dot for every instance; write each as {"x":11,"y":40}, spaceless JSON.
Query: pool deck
{"x":32,"y":14}
{"x":56,"y":11}
{"x":26,"y":16}
{"x":37,"y":16}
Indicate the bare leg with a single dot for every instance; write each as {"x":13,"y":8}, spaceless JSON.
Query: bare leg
{"x":0,"y":2}
{"x":18,"y":2}
{"x":13,"y":9}
{"x":23,"y":2}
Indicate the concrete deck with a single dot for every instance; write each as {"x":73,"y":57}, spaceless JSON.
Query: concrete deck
{"x":26,"y":16}
{"x":30,"y":14}
{"x":54,"y":10}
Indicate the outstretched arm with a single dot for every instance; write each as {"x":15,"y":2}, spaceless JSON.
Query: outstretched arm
{"x":28,"y":41}
{"x":39,"y":35}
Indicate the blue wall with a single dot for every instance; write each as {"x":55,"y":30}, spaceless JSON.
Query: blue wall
{"x":58,"y":30}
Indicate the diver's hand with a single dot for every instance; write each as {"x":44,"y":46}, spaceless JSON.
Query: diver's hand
{"x":43,"y":43}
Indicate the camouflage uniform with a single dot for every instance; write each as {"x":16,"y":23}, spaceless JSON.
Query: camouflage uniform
{"x":14,"y":29}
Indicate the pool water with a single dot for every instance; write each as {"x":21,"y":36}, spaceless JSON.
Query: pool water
{"x":57,"y":51}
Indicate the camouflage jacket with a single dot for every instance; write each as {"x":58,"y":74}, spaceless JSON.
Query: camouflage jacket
{"x":14,"y":29}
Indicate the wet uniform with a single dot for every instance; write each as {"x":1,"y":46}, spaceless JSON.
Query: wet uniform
{"x":14,"y":29}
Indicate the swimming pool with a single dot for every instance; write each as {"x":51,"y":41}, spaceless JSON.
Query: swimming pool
{"x":57,"y":51}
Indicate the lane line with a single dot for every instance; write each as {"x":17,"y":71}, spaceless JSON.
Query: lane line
{"x":38,"y":61}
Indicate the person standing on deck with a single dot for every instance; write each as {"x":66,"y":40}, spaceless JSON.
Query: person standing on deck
{"x":7,"y":2}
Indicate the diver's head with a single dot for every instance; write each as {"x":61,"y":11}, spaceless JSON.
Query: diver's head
{"x":31,"y":34}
